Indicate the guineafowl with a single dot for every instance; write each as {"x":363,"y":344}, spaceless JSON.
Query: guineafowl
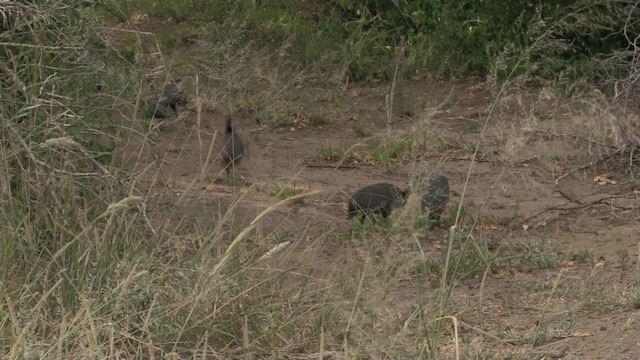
{"x":434,"y":196}
{"x":233,"y":150}
{"x":174,"y":95}
{"x":379,"y":198}
{"x":157,"y":107}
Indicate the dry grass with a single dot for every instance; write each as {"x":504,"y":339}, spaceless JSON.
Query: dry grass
{"x":90,"y":271}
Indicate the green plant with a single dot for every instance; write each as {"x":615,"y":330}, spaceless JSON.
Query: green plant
{"x":581,"y":255}
{"x":634,"y":299}
{"x":335,"y":153}
{"x":624,"y":262}
{"x":284,"y":192}
{"x":319,"y":119}
{"x":400,"y":147}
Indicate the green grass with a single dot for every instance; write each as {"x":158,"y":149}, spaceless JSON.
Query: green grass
{"x":581,"y":255}
{"x":360,"y":40}
{"x":283,"y":192}
{"x":407,"y":147}
{"x":273,"y":118}
{"x":319,"y":119}
{"x":341,"y":153}
{"x":481,"y":254}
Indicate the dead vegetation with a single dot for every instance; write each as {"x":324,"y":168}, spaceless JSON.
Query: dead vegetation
{"x":123,"y":239}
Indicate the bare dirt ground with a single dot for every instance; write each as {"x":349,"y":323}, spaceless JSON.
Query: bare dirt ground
{"x":574,"y":308}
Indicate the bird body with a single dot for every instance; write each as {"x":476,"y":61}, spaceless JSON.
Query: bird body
{"x":156,"y":107}
{"x":380,"y":198}
{"x":434,"y":196}
{"x":174,"y":96}
{"x":160,"y":104}
{"x":233,"y":149}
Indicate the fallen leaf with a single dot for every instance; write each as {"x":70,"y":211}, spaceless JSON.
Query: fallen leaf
{"x":300,"y":120}
{"x":475,"y":88}
{"x":604,"y":179}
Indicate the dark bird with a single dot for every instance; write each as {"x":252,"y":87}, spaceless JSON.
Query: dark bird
{"x":434,"y":196}
{"x":233,"y":149}
{"x":380,"y":198}
{"x":161,"y":103}
{"x":157,"y":107}
{"x":174,"y":96}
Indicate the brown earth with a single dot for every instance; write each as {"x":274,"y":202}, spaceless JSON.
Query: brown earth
{"x":512,"y":188}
